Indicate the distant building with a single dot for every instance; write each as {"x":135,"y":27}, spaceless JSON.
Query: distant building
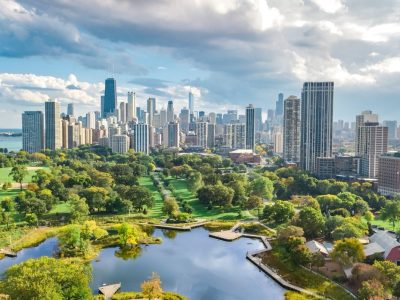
{"x":53,"y":125}
{"x":184,"y":119}
{"x":151,"y":109}
{"x":392,"y":129}
{"x":291,"y":129}
{"x":389,"y":175}
{"x":241,"y":156}
{"x":70,"y":109}
{"x":191,"y":102}
{"x":170,"y":111}
{"x":32,"y":131}
{"x":258,"y":119}
{"x":173,"y":135}
{"x":365,"y":117}
{"x":250,"y":128}
{"x":279,"y":105}
{"x":316,"y":123}
{"x":210,"y":135}
{"x":120,"y":143}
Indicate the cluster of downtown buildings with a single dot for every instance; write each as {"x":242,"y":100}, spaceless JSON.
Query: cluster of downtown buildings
{"x":301,"y":130}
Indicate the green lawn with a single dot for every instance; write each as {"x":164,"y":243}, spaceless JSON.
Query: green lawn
{"x":385,"y":223}
{"x":10,"y":193}
{"x":5,"y":178}
{"x":156,"y":210}
{"x":61,"y":208}
{"x":199,"y":209}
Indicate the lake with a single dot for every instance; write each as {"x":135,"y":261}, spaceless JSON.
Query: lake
{"x":12,"y":143}
{"x":189,"y":263}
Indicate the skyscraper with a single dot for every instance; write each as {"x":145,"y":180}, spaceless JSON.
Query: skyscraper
{"x":70,"y":109}
{"x":170,"y":111}
{"x":131,"y":113}
{"x":291,"y":129}
{"x":120,"y":143}
{"x":110,"y":97}
{"x":151,"y":109}
{"x":122,"y":112}
{"x":140,"y":137}
{"x":279,"y":105}
{"x":184,"y":119}
{"x":191,"y":102}
{"x":210,"y":135}
{"x":316,"y":123}
{"x":32,"y":131}
{"x":53,"y":125}
{"x":250,"y":128}
{"x":90,"y":120}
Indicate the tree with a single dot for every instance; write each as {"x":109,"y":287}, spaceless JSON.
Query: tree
{"x":170,"y":207}
{"x":72,"y":243}
{"x":79,"y":208}
{"x":129,"y":235}
{"x":348,"y":251}
{"x":390,"y":272}
{"x":262,"y":187}
{"x":312,"y":222}
{"x":194,"y":181}
{"x":289,"y":231}
{"x":253,"y":202}
{"x":280,"y":212}
{"x":371,"y":290}
{"x":31,"y":219}
{"x":391,"y":212}
{"x":151,"y":288}
{"x":47,"y":278}
{"x":18,"y":173}
{"x":347,"y":230}
{"x":215,"y":195}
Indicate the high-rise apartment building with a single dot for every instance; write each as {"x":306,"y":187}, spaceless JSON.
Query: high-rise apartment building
{"x":140,"y":137}
{"x":210,"y":135}
{"x":131,"y":113}
{"x":316,"y":123}
{"x":184,"y":119}
{"x":235,"y":135}
{"x":258,"y":119}
{"x":32,"y":131}
{"x":250,"y":128}
{"x":90,"y":120}
{"x":202,"y":133}
{"x":291,"y":129}
{"x":122,"y":112}
{"x":365,"y":117}
{"x":53,"y":125}
{"x":373,"y":142}
{"x":110,"y":97}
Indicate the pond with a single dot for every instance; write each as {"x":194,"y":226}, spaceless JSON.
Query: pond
{"x":189,"y":263}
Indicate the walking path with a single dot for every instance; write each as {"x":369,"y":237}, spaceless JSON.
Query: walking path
{"x":180,"y":228}
{"x":109,"y":290}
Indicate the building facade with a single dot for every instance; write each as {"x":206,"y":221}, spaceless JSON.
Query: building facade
{"x":291,"y":129}
{"x":53,"y":125}
{"x":250,"y":128}
{"x":32,"y":131}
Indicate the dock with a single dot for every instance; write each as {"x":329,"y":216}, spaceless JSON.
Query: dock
{"x":109,"y":290}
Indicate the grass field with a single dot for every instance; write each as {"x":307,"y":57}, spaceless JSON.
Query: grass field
{"x":199,"y":209}
{"x":5,"y":171}
{"x":10,"y":193}
{"x":156,"y":210}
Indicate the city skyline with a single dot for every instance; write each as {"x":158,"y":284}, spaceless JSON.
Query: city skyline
{"x":356,"y":52}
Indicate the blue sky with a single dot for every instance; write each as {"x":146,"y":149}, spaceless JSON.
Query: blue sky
{"x":229,"y":52}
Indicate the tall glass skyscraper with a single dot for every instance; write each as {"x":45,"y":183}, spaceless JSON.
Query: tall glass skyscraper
{"x":32,"y":131}
{"x":316,"y":123}
{"x":250,"y":128}
{"x":279,"y":105}
{"x":53,"y":125}
{"x":191,"y":102}
{"x":110,"y":97}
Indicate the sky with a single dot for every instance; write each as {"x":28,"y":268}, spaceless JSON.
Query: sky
{"x":228,"y":52}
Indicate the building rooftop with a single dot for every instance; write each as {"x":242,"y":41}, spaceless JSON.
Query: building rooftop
{"x":386,"y":240}
{"x":242,"y":151}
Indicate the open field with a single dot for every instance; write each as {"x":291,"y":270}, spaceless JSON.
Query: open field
{"x":156,"y":210}
{"x":5,"y":171}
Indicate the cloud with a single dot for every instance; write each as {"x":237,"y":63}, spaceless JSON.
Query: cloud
{"x":329,"y":6}
{"x":388,"y":65}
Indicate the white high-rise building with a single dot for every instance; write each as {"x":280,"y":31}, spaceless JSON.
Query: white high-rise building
{"x":32,"y":131}
{"x":151,"y":109}
{"x":122,"y":112}
{"x":316,"y":123}
{"x":238,"y":136}
{"x":202,"y":133}
{"x":373,"y":142}
{"x":91,"y":120}
{"x":291,"y":129}
{"x":53,"y":125}
{"x":191,"y":102}
{"x":140,"y":137}
{"x":131,"y":113}
{"x":120,"y":143}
